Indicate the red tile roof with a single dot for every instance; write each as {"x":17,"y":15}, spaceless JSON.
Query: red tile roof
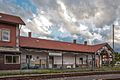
{"x":57,"y":45}
{"x":11,"y":19}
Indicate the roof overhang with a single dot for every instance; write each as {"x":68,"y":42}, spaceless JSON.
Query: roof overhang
{"x":7,"y":18}
{"x":56,"y":50}
{"x":9,"y":49}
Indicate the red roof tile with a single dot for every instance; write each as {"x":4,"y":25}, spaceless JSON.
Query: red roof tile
{"x":11,"y":19}
{"x":57,"y":45}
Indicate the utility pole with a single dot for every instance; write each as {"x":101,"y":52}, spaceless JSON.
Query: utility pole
{"x":113,"y":36}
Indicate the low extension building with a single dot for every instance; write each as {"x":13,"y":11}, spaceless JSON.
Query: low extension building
{"x":18,"y":52}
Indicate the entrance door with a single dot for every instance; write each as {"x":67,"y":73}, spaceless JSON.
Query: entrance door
{"x":42,"y":63}
{"x":51,"y":61}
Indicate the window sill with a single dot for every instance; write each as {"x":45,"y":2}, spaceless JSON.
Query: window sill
{"x":12,"y":63}
{"x":5,"y":41}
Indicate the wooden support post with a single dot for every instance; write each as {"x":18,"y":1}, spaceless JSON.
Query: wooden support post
{"x":75,"y":60}
{"x":99,"y":60}
{"x":20,"y":61}
{"x":47,"y":61}
{"x":94,"y":60}
{"x":29,"y":62}
{"x":87,"y":60}
{"x":62,"y":61}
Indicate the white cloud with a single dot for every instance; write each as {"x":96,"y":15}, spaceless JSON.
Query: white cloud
{"x":44,"y":37}
{"x":61,"y":29}
{"x":40,"y":24}
{"x":86,"y":19}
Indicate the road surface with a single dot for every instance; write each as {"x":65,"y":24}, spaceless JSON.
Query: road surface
{"x":91,"y":77}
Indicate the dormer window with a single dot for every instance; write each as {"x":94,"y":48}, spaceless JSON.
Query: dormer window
{"x":4,"y":35}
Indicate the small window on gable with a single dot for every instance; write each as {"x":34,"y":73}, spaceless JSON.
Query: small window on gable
{"x":5,"y":35}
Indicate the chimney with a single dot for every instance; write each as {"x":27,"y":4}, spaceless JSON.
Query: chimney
{"x":85,"y":42}
{"x":29,"y":34}
{"x":74,"y":41}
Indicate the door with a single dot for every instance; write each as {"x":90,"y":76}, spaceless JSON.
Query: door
{"x":51,"y":61}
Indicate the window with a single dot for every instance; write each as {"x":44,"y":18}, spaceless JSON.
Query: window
{"x":28,"y":56}
{"x":8,"y":59}
{"x":5,"y":34}
{"x":80,"y":60}
{"x":15,"y":59}
{"x":12,"y":59}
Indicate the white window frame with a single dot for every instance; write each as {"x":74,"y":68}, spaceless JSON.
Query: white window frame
{"x":2,"y":34}
{"x":12,"y":59}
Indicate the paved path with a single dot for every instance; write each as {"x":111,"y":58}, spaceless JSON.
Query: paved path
{"x":91,"y":77}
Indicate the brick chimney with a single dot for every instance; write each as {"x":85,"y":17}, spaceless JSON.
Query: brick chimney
{"x":29,"y":34}
{"x":74,"y":41}
{"x":85,"y":42}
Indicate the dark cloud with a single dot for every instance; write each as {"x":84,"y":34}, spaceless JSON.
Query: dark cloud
{"x":89,"y":20}
{"x":46,"y":4}
{"x":9,"y":7}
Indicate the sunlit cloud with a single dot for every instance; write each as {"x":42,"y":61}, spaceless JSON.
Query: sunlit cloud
{"x":65,"y":20}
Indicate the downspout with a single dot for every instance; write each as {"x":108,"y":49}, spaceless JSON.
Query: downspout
{"x":19,"y":28}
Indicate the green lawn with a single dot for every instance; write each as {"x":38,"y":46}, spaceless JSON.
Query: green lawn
{"x":47,"y":71}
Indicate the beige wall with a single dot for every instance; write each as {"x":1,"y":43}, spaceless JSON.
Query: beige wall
{"x":58,"y":60}
{"x":34,"y":56}
{"x":70,"y":59}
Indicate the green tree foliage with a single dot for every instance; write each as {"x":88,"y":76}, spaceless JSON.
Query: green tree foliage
{"x":117,"y":56}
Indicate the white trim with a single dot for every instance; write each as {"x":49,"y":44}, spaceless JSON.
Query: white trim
{"x":12,"y":59}
{"x":55,"y":54}
{"x":17,"y":37}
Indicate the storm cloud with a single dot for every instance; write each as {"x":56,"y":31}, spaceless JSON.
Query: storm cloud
{"x":65,"y":20}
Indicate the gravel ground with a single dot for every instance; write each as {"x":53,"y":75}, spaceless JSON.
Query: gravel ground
{"x":92,"y":77}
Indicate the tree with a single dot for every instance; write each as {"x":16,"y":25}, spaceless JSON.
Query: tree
{"x":117,"y":56}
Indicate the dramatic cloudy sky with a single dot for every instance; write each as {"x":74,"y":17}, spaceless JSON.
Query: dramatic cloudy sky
{"x":65,"y":20}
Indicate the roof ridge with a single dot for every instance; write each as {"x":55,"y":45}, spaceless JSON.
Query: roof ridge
{"x":57,"y":45}
{"x":55,"y":41}
{"x":5,"y":17}
{"x":9,"y":14}
{"x":100,"y":44}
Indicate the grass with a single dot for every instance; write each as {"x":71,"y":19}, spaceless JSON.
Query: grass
{"x":48,"y":71}
{"x":43,"y":71}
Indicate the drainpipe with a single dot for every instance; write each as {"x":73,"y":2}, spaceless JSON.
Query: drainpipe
{"x":18,"y":41}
